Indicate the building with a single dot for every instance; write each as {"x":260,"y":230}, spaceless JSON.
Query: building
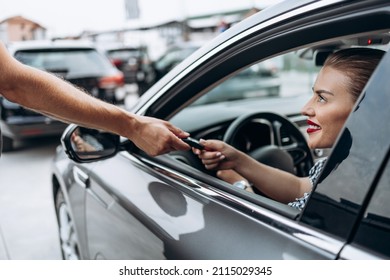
{"x":18,"y":28}
{"x":157,"y":37}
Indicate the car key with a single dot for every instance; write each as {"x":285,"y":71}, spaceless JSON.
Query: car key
{"x":193,"y":143}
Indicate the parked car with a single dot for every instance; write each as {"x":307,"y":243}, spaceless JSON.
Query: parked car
{"x":261,"y":79}
{"x":115,"y":202}
{"x":77,"y":62}
{"x":174,"y":54}
{"x":135,"y":64}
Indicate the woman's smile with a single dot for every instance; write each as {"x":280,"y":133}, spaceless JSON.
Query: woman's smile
{"x":313,"y":127}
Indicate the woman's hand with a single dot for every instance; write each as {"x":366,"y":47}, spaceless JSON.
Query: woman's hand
{"x":217,"y":155}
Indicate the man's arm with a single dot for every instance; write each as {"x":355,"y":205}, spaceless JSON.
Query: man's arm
{"x":50,"y":95}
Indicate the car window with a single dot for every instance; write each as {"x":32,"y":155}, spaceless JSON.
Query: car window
{"x":376,"y":219}
{"x":71,"y":62}
{"x":281,"y":84}
{"x":125,"y":54}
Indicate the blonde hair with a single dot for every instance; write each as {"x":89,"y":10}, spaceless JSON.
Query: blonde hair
{"x":357,"y":64}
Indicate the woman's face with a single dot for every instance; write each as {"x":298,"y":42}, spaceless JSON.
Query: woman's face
{"x":328,"y":109}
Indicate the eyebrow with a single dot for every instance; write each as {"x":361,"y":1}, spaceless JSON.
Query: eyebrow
{"x":322,"y":91}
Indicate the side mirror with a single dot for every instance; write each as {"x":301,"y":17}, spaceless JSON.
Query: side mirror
{"x":87,"y":145}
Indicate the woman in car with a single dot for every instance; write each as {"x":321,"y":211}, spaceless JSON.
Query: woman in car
{"x":336,"y":89}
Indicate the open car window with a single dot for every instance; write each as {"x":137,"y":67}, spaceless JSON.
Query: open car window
{"x":74,"y":62}
{"x":281,"y":85}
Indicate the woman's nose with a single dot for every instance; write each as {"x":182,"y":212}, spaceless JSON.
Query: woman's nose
{"x":307,"y":110}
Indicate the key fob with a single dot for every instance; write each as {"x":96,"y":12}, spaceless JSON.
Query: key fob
{"x":193,"y":143}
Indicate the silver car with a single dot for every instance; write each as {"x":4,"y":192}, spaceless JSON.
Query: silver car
{"x":115,"y":202}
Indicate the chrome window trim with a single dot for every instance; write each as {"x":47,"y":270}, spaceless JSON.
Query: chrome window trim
{"x":4,"y":254}
{"x":351,"y":252}
{"x":222,"y":46}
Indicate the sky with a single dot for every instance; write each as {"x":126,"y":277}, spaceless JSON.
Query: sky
{"x":71,"y":17}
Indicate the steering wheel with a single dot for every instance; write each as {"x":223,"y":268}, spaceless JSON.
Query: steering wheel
{"x":286,"y":147}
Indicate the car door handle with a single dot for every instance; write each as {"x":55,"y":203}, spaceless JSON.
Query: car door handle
{"x":80,"y":177}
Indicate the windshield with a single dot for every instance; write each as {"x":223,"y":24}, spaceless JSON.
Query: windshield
{"x":68,"y":62}
{"x":125,"y":54}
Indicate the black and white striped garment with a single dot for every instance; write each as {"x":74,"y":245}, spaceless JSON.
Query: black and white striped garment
{"x":314,"y":173}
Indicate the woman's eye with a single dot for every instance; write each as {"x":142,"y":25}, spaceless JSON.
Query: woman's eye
{"x":320,"y":98}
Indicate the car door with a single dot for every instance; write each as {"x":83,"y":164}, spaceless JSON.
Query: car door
{"x":372,"y":237}
{"x":117,"y":226}
{"x":142,"y":209}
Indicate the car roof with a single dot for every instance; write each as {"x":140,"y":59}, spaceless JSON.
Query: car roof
{"x":188,"y":44}
{"x":119,"y":46}
{"x":49,"y":44}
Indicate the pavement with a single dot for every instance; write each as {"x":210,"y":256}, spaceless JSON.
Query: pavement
{"x":28,"y":226}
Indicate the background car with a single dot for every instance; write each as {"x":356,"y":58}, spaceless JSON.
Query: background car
{"x":259,"y":80}
{"x":116,"y":202}
{"x":77,"y":62}
{"x":174,"y":54}
{"x":135,"y":64}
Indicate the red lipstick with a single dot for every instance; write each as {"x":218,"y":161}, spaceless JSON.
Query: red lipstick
{"x":313,"y":127}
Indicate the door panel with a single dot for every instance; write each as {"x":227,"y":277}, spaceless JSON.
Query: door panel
{"x":373,"y":233}
{"x":76,"y":195}
{"x":135,"y":212}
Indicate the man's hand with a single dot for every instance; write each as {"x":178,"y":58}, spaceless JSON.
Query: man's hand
{"x":156,"y":137}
